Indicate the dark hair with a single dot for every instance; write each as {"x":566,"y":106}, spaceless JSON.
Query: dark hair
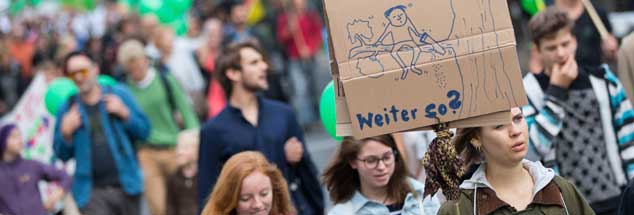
{"x":231,"y":59}
{"x":121,"y":24}
{"x":5,"y":132}
{"x":546,"y":24}
{"x":74,"y":54}
{"x":389,"y":11}
{"x":228,"y":5}
{"x":462,"y":141}
{"x":342,"y":181}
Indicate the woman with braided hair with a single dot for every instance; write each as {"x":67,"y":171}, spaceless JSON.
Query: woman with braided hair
{"x":368,"y":176}
{"x":504,"y":182}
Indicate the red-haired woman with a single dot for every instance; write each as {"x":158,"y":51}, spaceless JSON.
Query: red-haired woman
{"x":249,"y":184}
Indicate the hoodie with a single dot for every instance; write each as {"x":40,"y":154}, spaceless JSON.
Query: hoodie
{"x":551,"y":195}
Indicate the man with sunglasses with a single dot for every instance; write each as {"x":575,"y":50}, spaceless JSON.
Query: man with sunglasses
{"x":96,"y":127}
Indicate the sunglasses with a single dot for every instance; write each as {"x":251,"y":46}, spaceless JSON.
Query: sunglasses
{"x":77,"y":74}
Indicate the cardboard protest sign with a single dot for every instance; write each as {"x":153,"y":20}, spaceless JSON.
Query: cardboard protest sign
{"x":403,"y":65}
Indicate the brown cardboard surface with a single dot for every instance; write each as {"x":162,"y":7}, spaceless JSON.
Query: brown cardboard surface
{"x":345,"y":129}
{"x":402,"y":65}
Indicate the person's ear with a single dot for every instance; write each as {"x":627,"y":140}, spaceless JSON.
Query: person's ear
{"x":535,"y":46}
{"x":234,"y":75}
{"x":353,"y":164}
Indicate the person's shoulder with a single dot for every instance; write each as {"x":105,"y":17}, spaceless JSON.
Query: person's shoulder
{"x":276,"y":105}
{"x":532,"y":81}
{"x":168,"y":76}
{"x":602,"y":72}
{"x":217,"y":122}
{"x":529,"y":76}
{"x":118,"y":88}
{"x":416,"y":185}
{"x":597,"y":71}
{"x":461,"y":205}
{"x":566,"y":187}
{"x":32,"y":164}
{"x":26,"y":162}
{"x":344,"y":208}
{"x":449,"y":207}
{"x":562,"y":182}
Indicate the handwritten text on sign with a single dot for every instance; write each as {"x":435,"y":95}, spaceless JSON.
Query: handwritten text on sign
{"x":396,"y":115}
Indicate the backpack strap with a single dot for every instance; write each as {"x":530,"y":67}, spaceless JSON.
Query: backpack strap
{"x":162,"y":72}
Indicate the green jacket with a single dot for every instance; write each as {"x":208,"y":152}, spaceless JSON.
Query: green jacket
{"x":548,"y":200}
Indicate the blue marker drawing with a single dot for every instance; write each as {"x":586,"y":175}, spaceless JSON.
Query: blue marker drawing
{"x":400,"y":38}
{"x":482,"y":78}
{"x":370,"y":64}
{"x":404,"y":42}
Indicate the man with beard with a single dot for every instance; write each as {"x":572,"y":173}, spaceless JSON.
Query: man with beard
{"x":252,"y":123}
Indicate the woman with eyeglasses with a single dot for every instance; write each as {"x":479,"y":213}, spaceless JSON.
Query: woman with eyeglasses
{"x":368,"y":176}
{"x":504,"y":182}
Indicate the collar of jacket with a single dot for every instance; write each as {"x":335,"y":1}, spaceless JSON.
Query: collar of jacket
{"x":359,"y":201}
{"x":545,"y":191}
{"x":488,"y":201}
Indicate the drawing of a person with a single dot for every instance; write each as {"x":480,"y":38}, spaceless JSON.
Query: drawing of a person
{"x":405,"y":37}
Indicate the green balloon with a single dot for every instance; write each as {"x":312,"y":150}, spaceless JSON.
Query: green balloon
{"x":34,"y":2}
{"x":57,"y":93}
{"x":106,"y":80}
{"x":179,"y":6}
{"x":532,"y":6}
{"x":327,"y":111}
{"x":17,"y":6}
{"x":85,"y":5}
{"x":149,"y":6}
{"x":165,"y":14}
{"x":179,"y":26}
{"x":129,"y":3}
{"x":89,"y":5}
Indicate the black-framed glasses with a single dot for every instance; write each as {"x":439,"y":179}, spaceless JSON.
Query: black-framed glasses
{"x":372,"y":162}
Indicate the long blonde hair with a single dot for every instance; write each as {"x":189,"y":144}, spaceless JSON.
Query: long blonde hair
{"x":224,"y":198}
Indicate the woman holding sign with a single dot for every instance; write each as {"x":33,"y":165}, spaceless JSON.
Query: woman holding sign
{"x":504,"y":181}
{"x":368,"y":176}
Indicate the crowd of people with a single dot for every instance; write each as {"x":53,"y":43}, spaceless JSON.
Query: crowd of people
{"x":213,"y":121}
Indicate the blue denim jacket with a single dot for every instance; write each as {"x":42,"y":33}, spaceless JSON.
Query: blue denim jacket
{"x":119,"y":135}
{"x":362,"y":206}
